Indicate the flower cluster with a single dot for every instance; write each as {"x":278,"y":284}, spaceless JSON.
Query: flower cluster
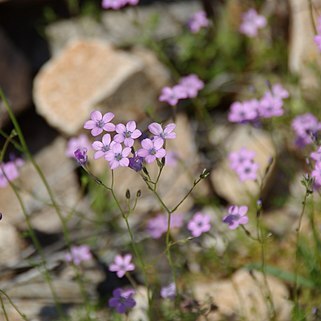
{"x":118,"y":4}
{"x":242,"y":162}
{"x":78,"y":254}
{"x":118,"y":149}
{"x":198,"y":21}
{"x":122,"y":300}
{"x":317,"y":38}
{"x":306,"y":128}
{"x":236,"y":216}
{"x":251,"y":22}
{"x":270,"y":105}
{"x":188,"y":87}
{"x":9,"y":171}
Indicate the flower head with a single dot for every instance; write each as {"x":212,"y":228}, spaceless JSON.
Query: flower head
{"x":236,"y":216}
{"x":167,"y":133}
{"x":237,"y":158}
{"x":251,"y":22}
{"x":136,"y":163}
{"x":192,"y":84}
{"x":127,"y":134}
{"x":270,"y":105}
{"x":74,"y":143}
{"x":316,"y":155}
{"x":198,"y":21}
{"x":151,"y":149}
{"x":173,"y":95}
{"x":78,"y":254}
{"x":247,"y":171}
{"x":8,"y":172}
{"x":102,"y":147}
{"x":169,"y":291}
{"x":158,"y":225}
{"x":279,"y":91}
{"x":117,"y":156}
{"x":199,"y":224}
{"x":122,"y":300}
{"x":81,"y":156}
{"x":242,"y":112}
{"x":98,"y":123}
{"x":122,"y":265}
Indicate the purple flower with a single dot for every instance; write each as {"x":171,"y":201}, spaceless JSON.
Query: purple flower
{"x":251,"y":22}
{"x":122,"y":300}
{"x":8,"y":171}
{"x":171,"y":158}
{"x":316,"y":155}
{"x":74,"y":143}
{"x":78,"y":254}
{"x":192,"y":84}
{"x":306,"y":127}
{"x":122,"y":265}
{"x":113,"y":4}
{"x":81,"y":156}
{"x":247,"y":171}
{"x":243,"y":112}
{"x":167,"y":133}
{"x":117,"y":156}
{"x":316,"y":174}
{"x":98,"y":123}
{"x":127,"y":134}
{"x":173,"y":95}
{"x":236,"y":159}
{"x":169,"y":291}
{"x":151,"y":149}
{"x":136,"y":163}
{"x":158,"y":225}
{"x":317,"y":41}
{"x":279,"y":91}
{"x":102,"y":147}
{"x":236,"y":216}
{"x":270,"y":106}
{"x":199,"y":224}
{"x":197,"y":21}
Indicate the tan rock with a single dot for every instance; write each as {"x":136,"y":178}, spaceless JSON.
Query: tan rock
{"x":10,"y":243}
{"x":226,"y":182}
{"x":91,"y":74}
{"x":244,"y":297}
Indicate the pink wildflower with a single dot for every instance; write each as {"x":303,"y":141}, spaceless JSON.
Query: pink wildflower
{"x":78,"y":254}
{"x":117,"y":156}
{"x":151,"y":149}
{"x":158,"y":225}
{"x":198,"y":21}
{"x":192,"y":84}
{"x":247,"y":171}
{"x":199,"y":224}
{"x":127,"y":134}
{"x":237,"y":158}
{"x":98,"y":123}
{"x":270,"y":106}
{"x":113,"y":4}
{"x":173,"y":95}
{"x":122,"y":265}
{"x":279,"y":91}
{"x":169,"y":291}
{"x":251,"y":22}
{"x":167,"y":133}
{"x":8,"y":171}
{"x":243,"y":112}
{"x":74,"y":143}
{"x":236,"y":216}
{"x":102,"y":147}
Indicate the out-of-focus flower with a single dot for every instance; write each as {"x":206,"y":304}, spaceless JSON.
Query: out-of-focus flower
{"x":198,"y":21}
{"x":169,"y":291}
{"x":122,"y":265}
{"x":270,"y":106}
{"x":243,"y":112}
{"x":251,"y":22}
{"x":192,"y":85}
{"x":81,"y":156}
{"x":117,"y":156}
{"x":166,"y":133}
{"x":173,"y":95}
{"x":8,"y":172}
{"x":236,"y":216}
{"x":122,"y":300}
{"x":74,"y":143}
{"x":78,"y":254}
{"x":199,"y":224}
{"x":237,"y":158}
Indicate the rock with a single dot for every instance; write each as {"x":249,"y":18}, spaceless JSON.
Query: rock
{"x":175,"y":181}
{"x":59,"y":172}
{"x":139,"y":312}
{"x":92,"y":74}
{"x":10,"y":243}
{"x":242,"y":297}
{"x":15,"y":77}
{"x":303,"y":50}
{"x":225,"y":181}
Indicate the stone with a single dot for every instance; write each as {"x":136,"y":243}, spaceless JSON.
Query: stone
{"x":10,"y":243}
{"x":15,"y":77}
{"x":139,"y":312}
{"x":225,"y":181}
{"x":59,"y":172}
{"x":88,"y":75}
{"x":243,"y":297}
{"x":303,"y":51}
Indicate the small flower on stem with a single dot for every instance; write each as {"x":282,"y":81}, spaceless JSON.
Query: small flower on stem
{"x":251,"y":22}
{"x":198,"y":21}
{"x":127,"y":134}
{"x":102,"y":147}
{"x":78,"y":254}
{"x":117,"y":156}
{"x":99,"y":123}
{"x":270,"y":105}
{"x":199,"y":224}
{"x":173,"y":95}
{"x":237,"y":158}
{"x":169,"y":291}
{"x":136,"y":163}
{"x":122,"y":300}
{"x":158,"y":225}
{"x":74,"y":143}
{"x":247,"y":171}
{"x":192,"y":84}
{"x":236,"y":216}
{"x":243,"y":112}
{"x":122,"y":265}
{"x":167,"y":133}
{"x":8,"y":171}
{"x":151,"y":149}
{"x":81,"y":156}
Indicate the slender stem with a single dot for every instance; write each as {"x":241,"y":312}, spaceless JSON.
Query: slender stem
{"x":4,"y":309}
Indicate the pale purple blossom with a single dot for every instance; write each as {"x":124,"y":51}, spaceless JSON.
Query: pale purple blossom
{"x":113,"y":4}
{"x":127,"y":134}
{"x":78,"y":254}
{"x":173,"y":95}
{"x":151,"y":149}
{"x":136,"y":163}
{"x":98,"y":123}
{"x":279,"y":91}
{"x":236,"y":216}
{"x":306,"y":128}
{"x":316,"y":174}
{"x":251,"y":22}
{"x":171,"y":158}
{"x":166,"y":133}
{"x":122,"y":265}
{"x":317,"y":41}
{"x":8,"y":171}
{"x":242,"y":112}
{"x":158,"y":225}
{"x":270,"y":106}
{"x":117,"y":156}
{"x":316,"y":156}
{"x":81,"y":156}
{"x":199,"y":224}
{"x":102,"y":147}
{"x":236,"y":159}
{"x":74,"y":143}
{"x":192,"y":85}
{"x":247,"y":171}
{"x":169,"y":291}
{"x":122,"y":300}
{"x":198,"y":21}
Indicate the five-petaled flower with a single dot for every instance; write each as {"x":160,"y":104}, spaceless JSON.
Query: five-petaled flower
{"x":98,"y":123}
{"x":199,"y":224}
{"x":169,"y":291}
{"x":198,"y":21}
{"x":159,"y":132}
{"x":102,"y":147}
{"x":78,"y":254}
{"x":173,"y":95}
{"x":122,"y":300}
{"x":127,"y":134}
{"x":151,"y":149}
{"x":122,"y":265}
{"x":236,"y":216}
{"x":251,"y":22}
{"x":117,"y":156}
